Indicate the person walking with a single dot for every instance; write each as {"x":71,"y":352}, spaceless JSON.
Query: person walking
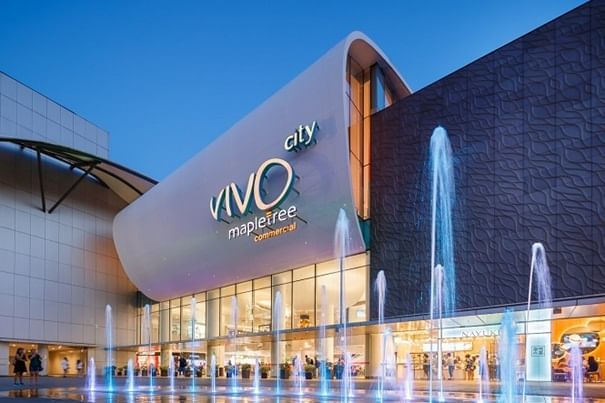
{"x":35,"y":367}
{"x":451,"y":365}
{"x":19,"y":366}
{"x":65,"y":366}
{"x":79,"y":367}
{"x":469,"y":367}
{"x":426,"y":365}
{"x":182,"y":365}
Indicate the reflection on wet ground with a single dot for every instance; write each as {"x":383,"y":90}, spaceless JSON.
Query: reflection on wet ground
{"x":245,"y":395}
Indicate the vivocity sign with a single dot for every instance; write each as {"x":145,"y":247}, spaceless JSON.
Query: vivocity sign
{"x":302,"y":138}
{"x":236,"y":203}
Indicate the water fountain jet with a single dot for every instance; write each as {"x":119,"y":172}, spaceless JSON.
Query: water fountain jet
{"x":442,"y":242}
{"x":277,"y":325}
{"x":193,"y":322}
{"x":483,"y":375}
{"x":508,"y":358}
{"x":234,"y":319}
{"x":541,"y":272}
{"x":409,"y":378}
{"x":213,"y":374}
{"x":577,"y":373}
{"x":109,"y":349}
{"x":171,"y":373}
{"x":323,"y":364}
{"x":341,"y":250}
{"x":91,"y":375}
{"x":380,"y":286}
{"x":147,"y":340}
{"x":130,"y":376}
{"x":256,"y":384}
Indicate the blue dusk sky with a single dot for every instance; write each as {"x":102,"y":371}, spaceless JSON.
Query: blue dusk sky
{"x":165,"y":78}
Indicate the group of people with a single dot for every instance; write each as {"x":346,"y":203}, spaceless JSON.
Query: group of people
{"x":563,"y":368}
{"x":20,"y":366}
{"x":469,"y":365}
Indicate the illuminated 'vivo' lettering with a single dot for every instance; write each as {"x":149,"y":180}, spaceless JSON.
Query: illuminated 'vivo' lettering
{"x":234,"y":202}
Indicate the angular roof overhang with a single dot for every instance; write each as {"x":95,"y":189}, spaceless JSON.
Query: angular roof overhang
{"x":124,"y":182}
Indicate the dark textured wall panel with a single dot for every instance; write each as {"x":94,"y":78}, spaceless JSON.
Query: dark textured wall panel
{"x":527,"y":126}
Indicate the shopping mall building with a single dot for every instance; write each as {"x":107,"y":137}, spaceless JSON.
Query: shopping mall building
{"x":254,"y":215}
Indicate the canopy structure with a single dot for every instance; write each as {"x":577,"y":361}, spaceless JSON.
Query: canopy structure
{"x":124,"y":182}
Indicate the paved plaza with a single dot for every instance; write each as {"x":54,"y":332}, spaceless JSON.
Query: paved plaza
{"x":73,"y":388}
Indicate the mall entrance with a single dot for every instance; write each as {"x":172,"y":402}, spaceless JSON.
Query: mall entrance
{"x":52,"y":355}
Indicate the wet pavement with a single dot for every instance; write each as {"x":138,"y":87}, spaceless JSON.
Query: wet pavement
{"x":74,"y":389}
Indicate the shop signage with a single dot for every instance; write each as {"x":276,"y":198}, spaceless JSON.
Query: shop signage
{"x":233,"y":202}
{"x":537,"y":351}
{"x":302,"y":138}
{"x":480,"y":333}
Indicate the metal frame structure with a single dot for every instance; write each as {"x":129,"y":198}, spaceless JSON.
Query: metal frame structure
{"x":100,"y":169}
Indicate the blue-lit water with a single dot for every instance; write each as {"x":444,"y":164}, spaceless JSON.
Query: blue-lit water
{"x":443,"y":269}
{"x":507,"y":353}
{"x":341,"y":251}
{"x":380,"y":287}
{"x":323,"y":363}
{"x":277,"y":326}
{"x":442,"y":202}
{"x":109,"y":348}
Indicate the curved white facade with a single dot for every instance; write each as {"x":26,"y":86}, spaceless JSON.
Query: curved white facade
{"x":168,"y":240}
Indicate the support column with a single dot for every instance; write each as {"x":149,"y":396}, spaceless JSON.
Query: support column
{"x":537,"y":351}
{"x":218,"y":352}
{"x":165,"y":356}
{"x":4,"y":359}
{"x":278,"y":356}
{"x":165,"y":325}
{"x":43,"y":351}
{"x":374,"y":346}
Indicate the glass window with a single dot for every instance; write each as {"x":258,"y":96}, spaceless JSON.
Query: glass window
{"x":283,"y":313}
{"x":326,"y":267}
{"x":228,"y":291}
{"x":212,"y":294}
{"x":175,"y":303}
{"x":303,"y":303}
{"x":227,"y":326}
{"x":155,"y":326}
{"x":355,"y":83}
{"x":165,"y":305}
{"x":356,"y":135}
{"x":282,"y":278}
{"x":262,"y":310}
{"x":378,"y":89}
{"x":175,"y":324}
{"x":244,"y":287}
{"x":154,"y":308}
{"x":262,"y":282}
{"x":200,"y":320}
{"x":367,"y":133}
{"x":365,"y":212}
{"x":357,"y":178}
{"x":213,"y":317}
{"x":186,"y":322}
{"x":165,"y":325}
{"x":356,"y":284}
{"x":304,"y":272}
{"x":200,"y":296}
{"x":328,"y":299}
{"x":244,"y":315}
{"x":352,"y":262}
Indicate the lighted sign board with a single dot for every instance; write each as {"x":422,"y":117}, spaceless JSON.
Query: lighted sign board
{"x":261,"y":198}
{"x":237,"y":204}
{"x":234,"y":203}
